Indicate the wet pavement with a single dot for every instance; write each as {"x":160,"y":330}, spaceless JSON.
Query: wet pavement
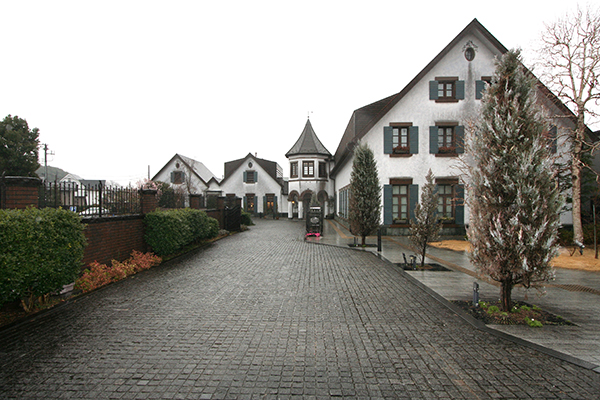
{"x":263,"y":314}
{"x":573,"y":295}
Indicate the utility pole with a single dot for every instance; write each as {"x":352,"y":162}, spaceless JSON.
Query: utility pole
{"x":46,"y":152}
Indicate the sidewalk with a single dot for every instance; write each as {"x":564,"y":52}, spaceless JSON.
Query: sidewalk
{"x":574,"y":295}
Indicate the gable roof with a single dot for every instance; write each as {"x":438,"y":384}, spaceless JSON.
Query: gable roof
{"x":195,"y":166}
{"x":363,"y":119}
{"x":270,"y":167}
{"x":308,"y":143}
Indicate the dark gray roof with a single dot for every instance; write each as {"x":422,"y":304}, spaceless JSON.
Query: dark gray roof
{"x":308,"y":143}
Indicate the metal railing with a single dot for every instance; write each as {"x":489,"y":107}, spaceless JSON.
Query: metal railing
{"x":91,"y":200}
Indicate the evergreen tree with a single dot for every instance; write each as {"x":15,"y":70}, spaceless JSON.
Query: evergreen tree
{"x":18,"y":147}
{"x":515,"y":201}
{"x":365,"y":193}
{"x":425,"y":227}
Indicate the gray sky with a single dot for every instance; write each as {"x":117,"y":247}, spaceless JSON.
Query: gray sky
{"x":117,"y":86}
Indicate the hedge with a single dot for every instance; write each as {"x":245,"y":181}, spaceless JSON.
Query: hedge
{"x":170,"y":231}
{"x":40,"y":251}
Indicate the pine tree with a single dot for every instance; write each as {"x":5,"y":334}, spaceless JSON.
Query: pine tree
{"x":425,"y":227}
{"x":515,"y":201}
{"x":365,"y":193}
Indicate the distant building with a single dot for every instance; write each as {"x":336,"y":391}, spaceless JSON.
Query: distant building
{"x":310,"y":165}
{"x":258,"y":182}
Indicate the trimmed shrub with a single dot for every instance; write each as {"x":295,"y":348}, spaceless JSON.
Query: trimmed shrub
{"x":246,"y":219}
{"x":40,"y":251}
{"x":169,"y":231}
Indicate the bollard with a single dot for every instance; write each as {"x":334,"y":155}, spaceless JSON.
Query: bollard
{"x":379,"y":240}
{"x":475,"y":294}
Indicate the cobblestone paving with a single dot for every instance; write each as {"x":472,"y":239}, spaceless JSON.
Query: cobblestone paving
{"x":264,"y":315}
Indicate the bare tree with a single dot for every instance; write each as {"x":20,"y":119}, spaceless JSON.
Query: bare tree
{"x":426,"y":226}
{"x":569,"y":61}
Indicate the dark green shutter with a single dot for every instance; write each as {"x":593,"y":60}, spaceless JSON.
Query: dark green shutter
{"x":255,"y":176}
{"x":433,"y":90}
{"x":264,"y":205}
{"x":479,"y":88}
{"x":459,"y":208}
{"x":433,"y":139}
{"x":245,"y":177}
{"x":172,"y":177}
{"x":459,"y":137}
{"x":387,"y":140}
{"x":275,"y":210}
{"x":413,"y":139}
{"x":245,"y":205}
{"x":460,"y":90}
{"x":413,"y":199}
{"x":387,"y":204}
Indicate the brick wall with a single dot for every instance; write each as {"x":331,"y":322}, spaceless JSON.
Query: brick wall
{"x":18,"y":192}
{"x":113,"y":238}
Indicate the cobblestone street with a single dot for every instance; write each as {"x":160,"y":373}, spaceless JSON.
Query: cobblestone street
{"x":262,"y":314}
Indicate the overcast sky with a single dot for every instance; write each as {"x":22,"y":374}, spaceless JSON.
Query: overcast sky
{"x":117,"y":86}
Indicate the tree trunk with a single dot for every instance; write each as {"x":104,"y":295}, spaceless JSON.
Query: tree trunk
{"x":363,"y":240}
{"x":423,"y":255}
{"x":505,"y":295}
{"x":576,"y":172}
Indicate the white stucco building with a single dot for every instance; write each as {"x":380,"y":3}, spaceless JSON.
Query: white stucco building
{"x":258,"y":182}
{"x":186,"y":175}
{"x":422,"y":127}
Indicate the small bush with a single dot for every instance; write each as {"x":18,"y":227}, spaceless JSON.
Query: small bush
{"x":533,"y":323}
{"x":169,"y":231}
{"x":246,"y":219}
{"x":98,"y":275}
{"x":40,"y":252}
{"x":493,"y":309}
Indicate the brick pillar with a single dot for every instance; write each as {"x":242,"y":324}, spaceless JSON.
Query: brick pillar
{"x":148,"y":200}
{"x":19,"y":192}
{"x":196,"y":201}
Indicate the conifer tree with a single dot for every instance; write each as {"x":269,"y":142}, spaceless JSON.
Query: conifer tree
{"x":425,"y":227}
{"x":515,"y":201}
{"x":365,"y":193}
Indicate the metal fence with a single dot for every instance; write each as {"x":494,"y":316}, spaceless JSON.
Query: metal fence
{"x":91,"y":200}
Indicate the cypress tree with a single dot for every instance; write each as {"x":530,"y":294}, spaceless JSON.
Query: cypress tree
{"x":514,"y":198}
{"x":365,"y":193}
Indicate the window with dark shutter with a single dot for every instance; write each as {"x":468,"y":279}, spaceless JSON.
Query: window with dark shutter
{"x":446,"y":89}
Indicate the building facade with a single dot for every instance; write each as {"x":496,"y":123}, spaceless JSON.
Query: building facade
{"x":423,"y":127}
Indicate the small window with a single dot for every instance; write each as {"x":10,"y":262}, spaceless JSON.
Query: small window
{"x":445,"y":202}
{"x":446,"y":89}
{"x":400,"y":144}
{"x":308,"y":169}
{"x":322,"y":170}
{"x":446,"y":139}
{"x":400,"y":204}
{"x":177,"y":177}
{"x":294,"y":169}
{"x":250,"y":176}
